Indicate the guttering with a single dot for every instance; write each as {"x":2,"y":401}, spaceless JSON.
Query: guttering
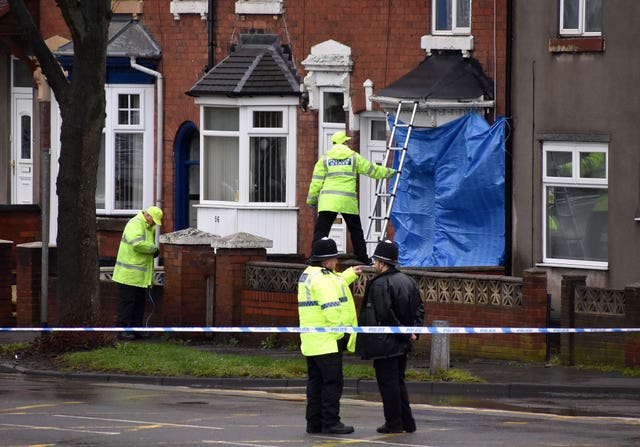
{"x":386,"y":101}
{"x":160,"y":126}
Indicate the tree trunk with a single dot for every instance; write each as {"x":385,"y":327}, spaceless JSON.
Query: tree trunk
{"x":83,"y":116}
{"x":82,"y":107}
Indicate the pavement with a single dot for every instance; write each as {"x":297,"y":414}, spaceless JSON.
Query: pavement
{"x":500,"y":379}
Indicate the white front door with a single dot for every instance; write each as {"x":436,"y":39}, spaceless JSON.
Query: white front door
{"x":373,"y":146}
{"x":22,"y":147}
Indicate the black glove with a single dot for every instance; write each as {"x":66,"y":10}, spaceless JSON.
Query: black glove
{"x":156,"y":253}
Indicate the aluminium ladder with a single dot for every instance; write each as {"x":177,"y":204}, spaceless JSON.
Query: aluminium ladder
{"x":382,"y":193}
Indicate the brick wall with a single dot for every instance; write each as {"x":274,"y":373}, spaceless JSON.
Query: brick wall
{"x":6,"y":281}
{"x":109,"y":233}
{"x":307,"y":157}
{"x":230,"y":281}
{"x":28,"y":287}
{"x":599,"y":348}
{"x":632,"y":319}
{"x":52,"y":22}
{"x":28,"y":284}
{"x":183,"y":302}
{"x":20,"y":224}
{"x":263,"y":308}
{"x":187,"y":270}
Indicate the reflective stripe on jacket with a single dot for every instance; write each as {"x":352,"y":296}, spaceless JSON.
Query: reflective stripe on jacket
{"x":325,"y":300}
{"x":333,"y":184}
{"x":134,"y":264}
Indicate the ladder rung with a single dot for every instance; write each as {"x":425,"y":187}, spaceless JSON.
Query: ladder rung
{"x":396,"y":124}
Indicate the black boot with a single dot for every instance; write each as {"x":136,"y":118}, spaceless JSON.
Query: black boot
{"x":384,"y":428}
{"x":338,"y":429}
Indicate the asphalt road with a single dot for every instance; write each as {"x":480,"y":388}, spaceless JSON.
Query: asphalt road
{"x":56,"y":412}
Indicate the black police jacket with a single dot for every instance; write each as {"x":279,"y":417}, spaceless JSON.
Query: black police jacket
{"x":390,"y":299}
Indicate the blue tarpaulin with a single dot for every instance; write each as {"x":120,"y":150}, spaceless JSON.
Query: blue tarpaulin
{"x":449,"y":205}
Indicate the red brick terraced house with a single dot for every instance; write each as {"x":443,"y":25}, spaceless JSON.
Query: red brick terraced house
{"x":217,"y":110}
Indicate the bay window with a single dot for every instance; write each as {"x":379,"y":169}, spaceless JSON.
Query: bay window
{"x":245,"y":153}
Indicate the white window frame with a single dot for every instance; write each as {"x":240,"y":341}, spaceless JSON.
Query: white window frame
{"x":246,"y":107}
{"x":327,"y":128}
{"x":145,"y":126}
{"x":582,"y":17}
{"x":574,"y":180}
{"x":455,"y":29}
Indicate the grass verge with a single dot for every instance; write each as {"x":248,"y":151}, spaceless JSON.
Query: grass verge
{"x":174,"y":359}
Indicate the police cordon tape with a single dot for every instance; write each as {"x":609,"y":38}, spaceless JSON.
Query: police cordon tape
{"x":347,"y":329}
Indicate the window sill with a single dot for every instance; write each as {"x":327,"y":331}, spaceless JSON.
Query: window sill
{"x":111,"y":223}
{"x":576,"y":45}
{"x":463,"y":43}
{"x":603,"y":267}
{"x":246,"y":206}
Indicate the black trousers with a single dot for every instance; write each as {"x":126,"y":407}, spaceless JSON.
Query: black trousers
{"x":324,"y":390}
{"x":323,"y":224}
{"x":131,"y":303}
{"x":390,"y":375}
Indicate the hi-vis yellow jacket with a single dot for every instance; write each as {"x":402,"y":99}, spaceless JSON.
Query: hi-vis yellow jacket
{"x":333,"y":184}
{"x":325,"y":300}
{"x":134,"y":264}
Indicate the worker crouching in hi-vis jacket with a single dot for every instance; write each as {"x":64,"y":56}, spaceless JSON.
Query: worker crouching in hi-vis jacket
{"x":325,"y":300}
{"x":333,"y":191}
{"x":134,"y":267}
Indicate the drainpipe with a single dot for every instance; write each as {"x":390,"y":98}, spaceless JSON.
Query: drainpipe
{"x":44,"y":271}
{"x":160,"y":126}
{"x":508,"y":165}
{"x":159,"y":132}
{"x":211,"y":36}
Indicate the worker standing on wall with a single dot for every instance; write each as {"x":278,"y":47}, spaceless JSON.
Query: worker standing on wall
{"x":333,"y":191}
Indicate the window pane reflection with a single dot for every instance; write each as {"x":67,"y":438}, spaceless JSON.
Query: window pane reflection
{"x":221,"y":168}
{"x":267,"y":169}
{"x":577,"y":223}
{"x":333,"y":111}
{"x":128,"y":171}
